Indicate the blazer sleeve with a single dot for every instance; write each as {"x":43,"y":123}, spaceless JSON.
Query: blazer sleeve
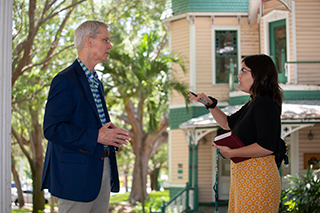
{"x":63,"y":124}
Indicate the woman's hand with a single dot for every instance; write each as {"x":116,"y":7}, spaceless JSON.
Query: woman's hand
{"x":224,"y":151}
{"x":250,"y":151}
{"x":201,"y":98}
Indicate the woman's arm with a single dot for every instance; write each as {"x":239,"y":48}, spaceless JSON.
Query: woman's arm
{"x":253,"y":150}
{"x":218,"y":115}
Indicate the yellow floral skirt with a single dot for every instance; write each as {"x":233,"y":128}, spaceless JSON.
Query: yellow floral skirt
{"x":255,"y":186}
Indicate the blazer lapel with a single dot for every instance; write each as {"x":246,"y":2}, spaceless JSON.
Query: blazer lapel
{"x":86,"y":88}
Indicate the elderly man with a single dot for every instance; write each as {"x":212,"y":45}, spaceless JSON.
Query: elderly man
{"x":80,"y":166}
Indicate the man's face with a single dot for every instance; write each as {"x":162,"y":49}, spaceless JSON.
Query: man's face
{"x":100,"y":45}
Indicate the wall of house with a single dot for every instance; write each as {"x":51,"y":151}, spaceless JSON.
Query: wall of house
{"x":249,"y":38}
{"x":249,"y":44}
{"x":308,"y":42}
{"x":205,"y":169}
{"x":180,"y":45}
{"x":272,"y":6}
{"x":179,"y":157}
{"x":204,"y":60}
{"x":308,"y":146}
{"x":307,"y":34}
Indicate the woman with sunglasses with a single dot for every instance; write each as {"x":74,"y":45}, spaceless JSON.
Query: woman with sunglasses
{"x":255,"y":183}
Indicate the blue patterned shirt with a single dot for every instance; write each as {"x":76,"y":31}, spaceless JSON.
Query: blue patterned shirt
{"x":94,"y":84}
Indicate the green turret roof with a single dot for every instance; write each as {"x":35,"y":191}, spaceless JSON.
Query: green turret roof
{"x":176,"y":7}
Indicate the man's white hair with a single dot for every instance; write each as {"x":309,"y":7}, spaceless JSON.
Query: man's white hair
{"x":88,"y":28}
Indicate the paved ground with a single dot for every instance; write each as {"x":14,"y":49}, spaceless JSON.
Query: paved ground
{"x":29,"y":206}
{"x":128,"y":209}
{"x":212,"y":209}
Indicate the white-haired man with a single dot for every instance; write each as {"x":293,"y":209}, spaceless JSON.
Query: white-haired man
{"x":80,"y":166}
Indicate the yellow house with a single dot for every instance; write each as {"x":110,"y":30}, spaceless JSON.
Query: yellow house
{"x":212,"y":36}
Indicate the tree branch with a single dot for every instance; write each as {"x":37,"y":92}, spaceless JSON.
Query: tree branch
{"x":46,"y":60}
{"x":31,"y":96}
{"x":57,"y":38}
{"x":25,"y":152}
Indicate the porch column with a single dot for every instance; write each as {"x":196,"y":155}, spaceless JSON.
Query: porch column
{"x":195,"y":175}
{"x":294,"y":153}
{"x":5,"y":104}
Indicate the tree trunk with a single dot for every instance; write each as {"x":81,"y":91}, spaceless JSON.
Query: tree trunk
{"x":37,"y":164}
{"x":17,"y":182}
{"x":38,"y":196}
{"x":126,"y":181}
{"x":154,"y":179}
{"x":135,"y":194}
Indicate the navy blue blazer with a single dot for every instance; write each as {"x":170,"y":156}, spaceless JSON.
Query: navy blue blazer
{"x":74,"y":160}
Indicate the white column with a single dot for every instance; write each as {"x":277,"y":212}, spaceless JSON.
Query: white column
{"x":5,"y":104}
{"x":294,"y":153}
{"x":192,"y":60}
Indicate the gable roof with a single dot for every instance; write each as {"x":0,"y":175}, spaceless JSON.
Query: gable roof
{"x":176,"y":7}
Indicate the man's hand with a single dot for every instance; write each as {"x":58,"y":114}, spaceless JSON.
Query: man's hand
{"x":113,"y":136}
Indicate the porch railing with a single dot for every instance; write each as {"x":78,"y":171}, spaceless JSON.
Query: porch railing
{"x":181,"y":202}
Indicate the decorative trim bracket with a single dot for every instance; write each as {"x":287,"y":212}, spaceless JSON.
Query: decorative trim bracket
{"x":193,"y":135}
{"x":290,"y":128}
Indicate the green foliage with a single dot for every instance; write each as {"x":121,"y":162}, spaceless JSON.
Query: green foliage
{"x":154,"y":201}
{"x":43,"y":45}
{"x":304,"y":195}
{"x":144,"y":77}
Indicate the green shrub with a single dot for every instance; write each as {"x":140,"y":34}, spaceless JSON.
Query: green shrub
{"x":304,"y":194}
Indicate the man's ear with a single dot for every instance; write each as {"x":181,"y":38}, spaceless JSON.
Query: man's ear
{"x":88,"y":42}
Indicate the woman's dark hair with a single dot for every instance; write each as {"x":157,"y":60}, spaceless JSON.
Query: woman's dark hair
{"x":265,"y":77}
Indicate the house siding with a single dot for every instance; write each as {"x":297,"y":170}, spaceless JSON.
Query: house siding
{"x":268,"y":8}
{"x":180,"y":45}
{"x":308,"y":42}
{"x":308,"y":146}
{"x":203,"y":55}
{"x":249,"y":44}
{"x":205,"y":169}
{"x":180,"y":156}
{"x":249,"y":37}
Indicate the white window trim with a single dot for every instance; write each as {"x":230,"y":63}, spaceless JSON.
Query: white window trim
{"x":192,"y":53}
{"x":276,"y":15}
{"x":213,"y":47}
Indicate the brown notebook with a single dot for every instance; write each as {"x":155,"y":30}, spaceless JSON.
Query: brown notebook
{"x":232,"y":141}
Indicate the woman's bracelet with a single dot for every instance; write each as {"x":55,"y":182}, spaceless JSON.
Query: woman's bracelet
{"x":214,"y":103}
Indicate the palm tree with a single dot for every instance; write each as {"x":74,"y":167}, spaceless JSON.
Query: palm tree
{"x":143,"y":82}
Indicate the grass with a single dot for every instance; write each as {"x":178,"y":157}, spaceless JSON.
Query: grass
{"x":116,"y":198}
{"x":21,"y":210}
{"x":160,"y":195}
{"x":119,"y":202}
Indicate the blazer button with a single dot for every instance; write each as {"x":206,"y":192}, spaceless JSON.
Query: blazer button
{"x":101,"y":158}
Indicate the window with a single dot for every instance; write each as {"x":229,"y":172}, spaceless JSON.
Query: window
{"x":226,"y":55}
